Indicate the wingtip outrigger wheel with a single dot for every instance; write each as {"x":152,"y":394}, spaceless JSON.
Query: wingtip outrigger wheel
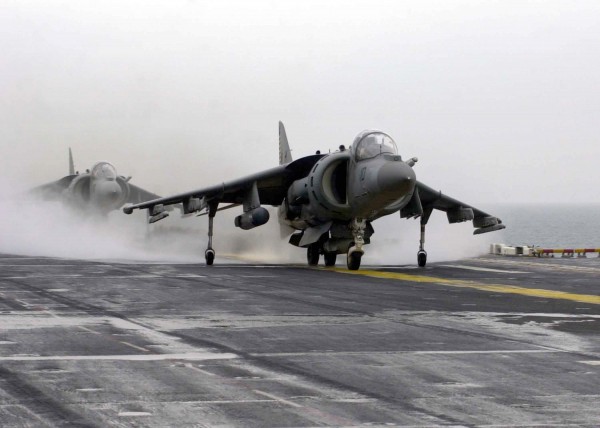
{"x":422,"y":258}
{"x":209,"y":255}
{"x":422,"y":254}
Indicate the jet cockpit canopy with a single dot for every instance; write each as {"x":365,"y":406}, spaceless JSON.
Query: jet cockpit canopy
{"x":369,"y":144}
{"x":104,"y":170}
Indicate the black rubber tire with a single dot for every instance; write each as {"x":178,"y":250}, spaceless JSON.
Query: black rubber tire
{"x":422,"y":258}
{"x":330,"y":259}
{"x":312,"y":254}
{"x":353,"y":260}
{"x":209,"y":255}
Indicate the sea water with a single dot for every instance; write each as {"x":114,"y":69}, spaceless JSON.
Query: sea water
{"x":550,"y":225}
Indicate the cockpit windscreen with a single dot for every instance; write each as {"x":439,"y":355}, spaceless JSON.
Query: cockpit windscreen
{"x":104,"y":170}
{"x":372,"y":144}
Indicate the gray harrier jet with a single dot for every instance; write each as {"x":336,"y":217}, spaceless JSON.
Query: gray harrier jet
{"x":98,"y":191}
{"x":329,"y":199}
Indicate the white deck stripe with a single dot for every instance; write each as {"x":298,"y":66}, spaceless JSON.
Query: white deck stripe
{"x":191,"y":356}
{"x":333,"y":353}
{"x":134,"y":414}
{"x":139,"y":348}
{"x":198,"y":369}
{"x":276,"y":398}
{"x":87,"y":329}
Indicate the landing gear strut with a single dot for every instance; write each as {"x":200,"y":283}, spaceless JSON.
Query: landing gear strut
{"x":422,"y":254}
{"x":355,"y":252}
{"x":209,"y":254}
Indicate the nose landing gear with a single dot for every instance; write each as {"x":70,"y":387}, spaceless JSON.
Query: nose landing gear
{"x":356,"y":252}
{"x":353,"y":260}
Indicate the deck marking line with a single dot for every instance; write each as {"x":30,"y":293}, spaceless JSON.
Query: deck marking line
{"x":461,"y":283}
{"x":89,"y":330}
{"x":198,"y":369}
{"x":591,"y":363}
{"x":333,"y":353}
{"x":134,"y":414}
{"x":541,"y":425}
{"x":226,"y":401}
{"x":276,"y":398}
{"x":482,"y":269}
{"x":191,"y":356}
{"x":258,"y":276}
{"x":139,"y":348}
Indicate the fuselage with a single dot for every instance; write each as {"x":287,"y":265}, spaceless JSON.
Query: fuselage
{"x":367,"y":181}
{"x":100,"y":190}
{"x":106,"y":193}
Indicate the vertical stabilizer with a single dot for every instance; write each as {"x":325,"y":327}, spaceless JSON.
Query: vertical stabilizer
{"x":71,"y":164}
{"x":285,"y":154}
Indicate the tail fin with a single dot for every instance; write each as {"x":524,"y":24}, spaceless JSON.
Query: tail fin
{"x":285,"y":154}
{"x":71,"y":164}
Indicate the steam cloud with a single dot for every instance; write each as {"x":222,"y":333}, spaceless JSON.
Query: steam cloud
{"x":41,"y":228}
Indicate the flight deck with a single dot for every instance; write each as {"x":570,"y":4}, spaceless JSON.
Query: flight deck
{"x":481,"y":342}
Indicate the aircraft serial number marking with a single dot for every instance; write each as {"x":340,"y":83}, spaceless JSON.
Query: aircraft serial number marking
{"x":495,"y":288}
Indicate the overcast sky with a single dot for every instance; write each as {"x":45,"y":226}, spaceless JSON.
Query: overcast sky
{"x":499,"y":100}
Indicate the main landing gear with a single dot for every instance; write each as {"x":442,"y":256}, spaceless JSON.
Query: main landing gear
{"x":314,"y":251}
{"x":330,"y":258}
{"x":336,"y":241}
{"x":313,"y":254}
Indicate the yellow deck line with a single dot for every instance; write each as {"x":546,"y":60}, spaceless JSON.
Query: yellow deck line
{"x":495,"y":288}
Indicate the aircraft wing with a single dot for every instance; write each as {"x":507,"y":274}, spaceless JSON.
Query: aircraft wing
{"x":271,"y":184}
{"x":137,"y":194}
{"x":53,"y":190}
{"x":456,"y":211}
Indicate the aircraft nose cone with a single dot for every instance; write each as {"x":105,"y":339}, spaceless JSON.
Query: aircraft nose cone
{"x":109,"y":192}
{"x":396,"y":177}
